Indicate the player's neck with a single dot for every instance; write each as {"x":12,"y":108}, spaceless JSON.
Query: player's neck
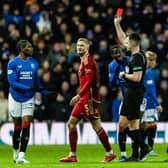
{"x":85,"y":56}
{"x":22,"y":56}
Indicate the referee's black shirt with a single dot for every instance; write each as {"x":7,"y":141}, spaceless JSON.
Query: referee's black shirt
{"x":137,"y":62}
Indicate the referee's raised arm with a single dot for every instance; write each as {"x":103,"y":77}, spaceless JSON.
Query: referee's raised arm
{"x":120,"y":33}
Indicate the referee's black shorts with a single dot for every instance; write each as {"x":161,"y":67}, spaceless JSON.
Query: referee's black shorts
{"x":131,"y":104}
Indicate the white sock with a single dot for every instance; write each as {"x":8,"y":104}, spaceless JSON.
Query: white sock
{"x":123,"y":154}
{"x":71,"y":154}
{"x":109,"y":153}
{"x":21,"y":155}
{"x":15,"y":153}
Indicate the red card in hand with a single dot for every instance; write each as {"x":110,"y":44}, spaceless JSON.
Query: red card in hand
{"x":119,"y":12}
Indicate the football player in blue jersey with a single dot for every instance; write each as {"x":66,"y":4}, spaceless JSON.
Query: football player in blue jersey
{"x":22,"y":73}
{"x":150,"y":106}
{"x":117,"y":65}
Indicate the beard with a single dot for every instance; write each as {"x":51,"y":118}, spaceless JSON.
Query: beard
{"x":80,"y":54}
{"x":27,"y":54}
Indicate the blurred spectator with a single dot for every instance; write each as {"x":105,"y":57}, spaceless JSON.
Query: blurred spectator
{"x":54,"y":53}
{"x":3,"y":107}
{"x":105,"y":104}
{"x":27,"y":27}
{"x":60,"y":107}
{"x":163,"y":91}
{"x":74,"y":82}
{"x":145,"y":42}
{"x":2,"y":74}
{"x":34,"y":10}
{"x":40,"y":108}
{"x":41,"y":50}
{"x":44,"y":24}
{"x":58,"y":75}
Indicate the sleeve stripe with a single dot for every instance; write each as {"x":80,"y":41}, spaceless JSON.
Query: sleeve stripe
{"x":137,"y":68}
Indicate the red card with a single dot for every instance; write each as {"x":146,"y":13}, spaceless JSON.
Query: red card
{"x":119,"y":12}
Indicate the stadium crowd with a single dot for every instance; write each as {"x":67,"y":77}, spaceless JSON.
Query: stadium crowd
{"x":53,"y":27}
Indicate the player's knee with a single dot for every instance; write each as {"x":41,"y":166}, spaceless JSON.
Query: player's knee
{"x":97,"y":128}
{"x":71,"y":125}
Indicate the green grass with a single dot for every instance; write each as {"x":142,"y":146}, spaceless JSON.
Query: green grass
{"x":89,"y":156}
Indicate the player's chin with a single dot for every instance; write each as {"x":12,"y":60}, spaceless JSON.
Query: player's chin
{"x":80,"y":53}
{"x":31,"y":52}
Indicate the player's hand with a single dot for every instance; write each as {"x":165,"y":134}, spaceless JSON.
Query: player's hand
{"x":117,"y":19}
{"x":74,"y":100}
{"x":122,"y":74}
{"x":159,"y":109}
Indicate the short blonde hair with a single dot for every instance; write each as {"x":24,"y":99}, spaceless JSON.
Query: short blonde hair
{"x":85,"y":40}
{"x":151,"y":55}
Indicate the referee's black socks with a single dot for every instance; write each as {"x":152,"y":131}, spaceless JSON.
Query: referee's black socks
{"x":137,"y":142}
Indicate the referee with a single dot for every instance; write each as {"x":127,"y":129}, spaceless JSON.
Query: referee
{"x":130,"y":110}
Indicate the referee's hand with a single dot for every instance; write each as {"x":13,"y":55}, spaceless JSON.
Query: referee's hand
{"x":122,"y":74}
{"x":117,"y":19}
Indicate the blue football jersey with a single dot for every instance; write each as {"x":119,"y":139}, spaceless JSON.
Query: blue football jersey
{"x":22,"y":77}
{"x":114,"y":78}
{"x":150,"y":97}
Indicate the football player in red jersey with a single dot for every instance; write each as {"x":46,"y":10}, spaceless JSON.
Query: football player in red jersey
{"x":87,"y":103}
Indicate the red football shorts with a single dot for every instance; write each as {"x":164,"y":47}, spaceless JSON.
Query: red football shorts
{"x":88,"y":109}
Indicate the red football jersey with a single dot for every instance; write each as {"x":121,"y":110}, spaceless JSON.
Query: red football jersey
{"x":89,"y":79}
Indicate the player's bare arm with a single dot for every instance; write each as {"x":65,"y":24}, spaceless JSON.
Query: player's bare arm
{"x":120,"y":33}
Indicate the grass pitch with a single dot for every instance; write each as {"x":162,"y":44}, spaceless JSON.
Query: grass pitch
{"x":89,"y":156}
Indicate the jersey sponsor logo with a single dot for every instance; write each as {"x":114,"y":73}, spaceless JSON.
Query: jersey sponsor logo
{"x":10,"y":71}
{"x":26,"y":74}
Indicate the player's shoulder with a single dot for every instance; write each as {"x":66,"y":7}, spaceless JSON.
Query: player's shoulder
{"x":139,"y":56}
{"x":89,"y":60}
{"x":113,"y":63}
{"x":148,"y":72}
{"x":126,"y":58}
{"x":140,"y":53}
{"x":90,"y":57}
{"x":33,"y":60}
{"x":13,"y":60}
{"x":148,"y":75}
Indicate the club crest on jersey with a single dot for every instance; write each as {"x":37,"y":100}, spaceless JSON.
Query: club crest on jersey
{"x":32,"y":66}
